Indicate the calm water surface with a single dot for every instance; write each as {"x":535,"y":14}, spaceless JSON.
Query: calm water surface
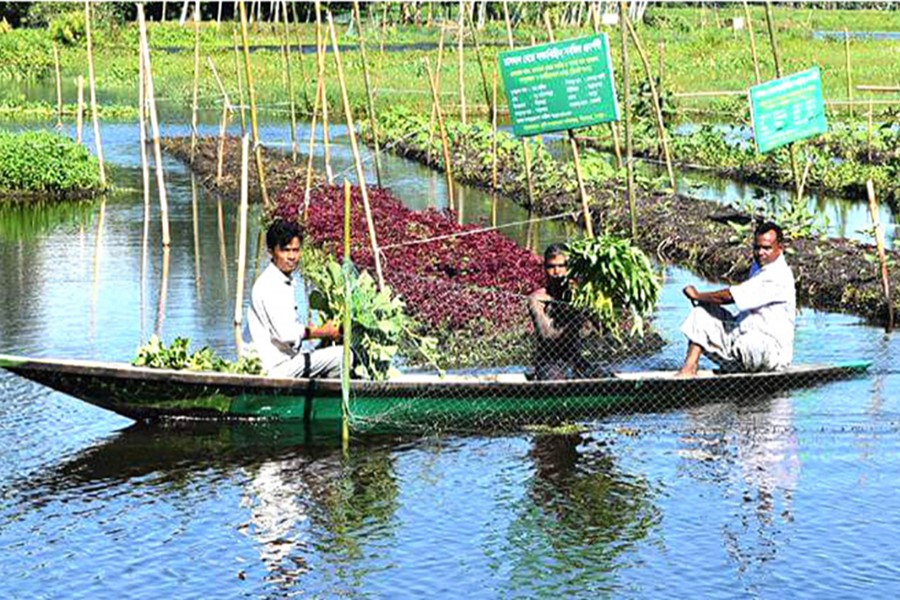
{"x":792,"y":496}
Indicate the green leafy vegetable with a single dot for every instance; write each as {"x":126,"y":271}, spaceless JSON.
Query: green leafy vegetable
{"x":177,"y":356}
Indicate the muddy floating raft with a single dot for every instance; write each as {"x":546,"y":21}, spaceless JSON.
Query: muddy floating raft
{"x":149,"y":394}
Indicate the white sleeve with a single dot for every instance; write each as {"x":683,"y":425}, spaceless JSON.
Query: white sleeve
{"x":759,"y":291}
{"x":285,"y":328}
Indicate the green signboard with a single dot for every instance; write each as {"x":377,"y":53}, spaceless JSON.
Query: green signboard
{"x":559,"y":86}
{"x":788,"y":109}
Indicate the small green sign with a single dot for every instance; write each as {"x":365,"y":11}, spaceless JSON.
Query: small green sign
{"x":788,"y":109}
{"x":559,"y":86}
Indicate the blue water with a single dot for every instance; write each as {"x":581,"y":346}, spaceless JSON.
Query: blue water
{"x":786,"y":496}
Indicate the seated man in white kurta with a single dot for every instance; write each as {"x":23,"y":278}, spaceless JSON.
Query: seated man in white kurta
{"x":275,"y":328}
{"x":761,"y":336}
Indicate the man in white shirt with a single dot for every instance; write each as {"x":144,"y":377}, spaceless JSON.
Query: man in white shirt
{"x":761,"y":336}
{"x":275,"y":328}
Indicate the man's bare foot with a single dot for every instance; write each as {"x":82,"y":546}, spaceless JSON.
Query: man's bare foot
{"x":685,"y":372}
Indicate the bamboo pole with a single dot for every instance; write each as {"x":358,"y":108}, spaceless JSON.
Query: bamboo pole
{"x":626,"y":101}
{"x":326,"y":137}
{"x":654,"y":94}
{"x":196,"y":89}
{"x":154,"y":124}
{"x":431,"y":123}
{"x":576,"y":156}
{"x":223,"y":126}
{"x":290,"y":86}
{"x":753,"y":51}
{"x":312,"y":147}
{"x":526,"y":147}
{"x":882,"y":258}
{"x":445,"y":144}
{"x":384,"y":13}
{"x":462,"y":79}
{"x":94,"y":110}
{"x":369,"y":99}
{"x":347,"y":324}
{"x":59,"y":103}
{"x":849,"y":74}
{"x":257,"y":144}
{"x":770,"y":25}
{"x":869,"y":137}
{"x":237,"y":73}
{"x":79,"y":115}
{"x":484,"y":82}
{"x":360,"y":173}
{"x":613,"y":126}
{"x":242,"y":239}
{"x":494,"y":134}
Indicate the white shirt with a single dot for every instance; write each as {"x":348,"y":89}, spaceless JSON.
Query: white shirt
{"x":767,"y":303}
{"x":275,"y":328}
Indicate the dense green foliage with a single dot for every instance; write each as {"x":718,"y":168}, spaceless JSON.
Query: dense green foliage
{"x":380,"y":326}
{"x":615,"y":281}
{"x":41,"y":161}
{"x":178,"y":356}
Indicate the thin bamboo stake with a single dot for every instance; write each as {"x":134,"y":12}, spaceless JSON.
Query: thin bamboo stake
{"x":576,"y":155}
{"x":196,"y":89}
{"x":752,"y":43}
{"x":484,"y":83}
{"x":613,"y":126}
{"x":326,"y":137}
{"x":770,"y":24}
{"x":462,"y":80}
{"x":312,"y":148}
{"x":94,"y":109}
{"x":494,"y":135}
{"x":59,"y":104}
{"x":849,"y":74}
{"x":237,"y":72}
{"x":347,"y":324}
{"x":869,"y":137}
{"x":360,"y":173}
{"x":431,"y":123}
{"x":154,"y":123}
{"x":79,"y":115}
{"x":882,"y":258}
{"x":219,"y":15}
{"x":654,"y":94}
{"x":290,"y":86}
{"x":369,"y":99}
{"x":626,"y":101}
{"x":384,"y":13}
{"x":526,"y":147}
{"x":257,"y":144}
{"x":445,"y":144}
{"x":223,"y":127}
{"x":242,"y":239}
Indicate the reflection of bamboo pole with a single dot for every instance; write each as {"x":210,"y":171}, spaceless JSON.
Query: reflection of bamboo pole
{"x":98,"y":250}
{"x":437,"y":73}
{"x":196,"y":223}
{"x":654,"y":94}
{"x":461,"y":30}
{"x":526,"y":147}
{"x":576,"y":156}
{"x":94,"y":110}
{"x":223,"y":254}
{"x":882,"y":259}
{"x":312,"y":146}
{"x":257,"y":144}
{"x":369,"y":99}
{"x":752,"y":43}
{"x":237,"y":72}
{"x":494,"y":134}
{"x":223,"y":126}
{"x":79,"y":114}
{"x":242,"y":240}
{"x":163,"y":293}
{"x":145,"y":175}
{"x":347,"y":324}
{"x":290,"y":86}
{"x":154,"y":123}
{"x":196,"y":89}
{"x":626,"y":101}
{"x":445,"y":145}
{"x":360,"y":173}
{"x":849,"y":74}
{"x":59,"y":104}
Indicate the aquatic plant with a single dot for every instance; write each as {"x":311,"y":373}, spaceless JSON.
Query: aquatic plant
{"x":155,"y":354}
{"x":41,"y":161}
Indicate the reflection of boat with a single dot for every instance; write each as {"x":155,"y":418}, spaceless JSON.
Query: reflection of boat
{"x":142,"y":393}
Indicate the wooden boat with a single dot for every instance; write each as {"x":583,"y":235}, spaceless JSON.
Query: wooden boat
{"x":147,"y":394}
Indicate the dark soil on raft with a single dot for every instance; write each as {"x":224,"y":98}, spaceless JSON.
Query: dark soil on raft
{"x":834,"y":274}
{"x":279,"y":168}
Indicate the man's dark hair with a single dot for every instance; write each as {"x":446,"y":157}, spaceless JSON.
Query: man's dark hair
{"x":280,"y":234}
{"x":555,"y":250}
{"x":766,"y":227}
